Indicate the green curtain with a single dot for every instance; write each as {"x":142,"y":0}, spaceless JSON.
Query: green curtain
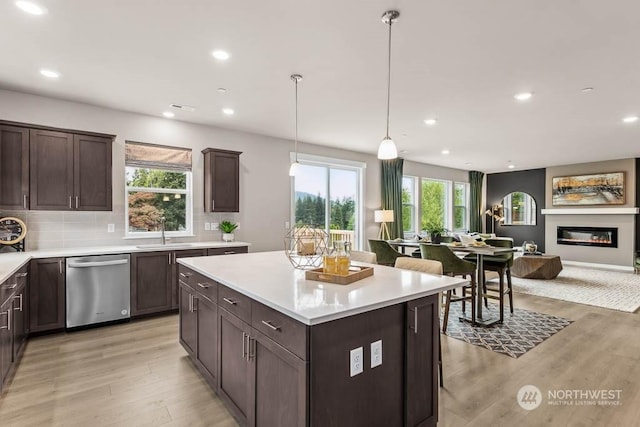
{"x":475,"y":201}
{"x":392,"y":193}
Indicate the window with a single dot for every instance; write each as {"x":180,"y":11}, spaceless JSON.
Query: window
{"x":158,"y":185}
{"x":435,"y":203}
{"x":327,"y":194}
{"x":460,"y":203}
{"x":409,"y":204}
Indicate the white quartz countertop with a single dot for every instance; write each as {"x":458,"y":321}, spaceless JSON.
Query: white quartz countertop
{"x":269,"y":278}
{"x":10,"y":262}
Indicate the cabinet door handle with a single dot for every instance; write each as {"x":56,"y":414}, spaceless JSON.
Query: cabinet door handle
{"x":270,"y":325}
{"x":204,"y":285}
{"x":21,"y":274}
{"x":230,"y":301}
{"x":70,"y":198}
{"x":251,"y":352}
{"x":185,"y":275}
{"x":415,"y":320}
{"x":15,"y":285}
{"x":194,"y":304}
{"x":24,"y":201}
{"x":20,"y":297}
{"x":8,"y":327}
{"x":213,"y":204}
{"x":77,"y":202}
{"x":229,"y":252}
{"x":244,"y":348}
{"x":60,"y":266}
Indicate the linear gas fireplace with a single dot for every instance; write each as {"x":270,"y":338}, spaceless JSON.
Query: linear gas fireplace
{"x":606,"y":237}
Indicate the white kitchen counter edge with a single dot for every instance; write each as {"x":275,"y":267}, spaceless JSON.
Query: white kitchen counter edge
{"x":454,"y":282}
{"x":11,"y":262}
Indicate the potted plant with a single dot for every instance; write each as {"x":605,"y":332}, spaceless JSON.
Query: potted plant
{"x":228,"y":228}
{"x":435,"y":230}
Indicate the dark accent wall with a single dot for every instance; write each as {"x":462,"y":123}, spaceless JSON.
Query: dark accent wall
{"x":528,"y":181}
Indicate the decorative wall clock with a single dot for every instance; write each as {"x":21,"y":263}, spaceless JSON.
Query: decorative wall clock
{"x":12,"y":230}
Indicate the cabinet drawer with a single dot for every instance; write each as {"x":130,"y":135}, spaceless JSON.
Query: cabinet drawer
{"x":185,"y":275}
{"x":234,"y":302}
{"x":205,"y":286}
{"x":228,"y":251}
{"x":284,"y":330}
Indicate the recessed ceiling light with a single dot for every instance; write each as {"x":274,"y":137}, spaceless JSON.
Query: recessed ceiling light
{"x":445,"y":151}
{"x":524,"y":96}
{"x":630,"y":119}
{"x":221,"y":90}
{"x":31,"y":8}
{"x":468,"y":163}
{"x":183,"y":107}
{"x":404,"y":151}
{"x":168,"y":114}
{"x":430,"y":122}
{"x":228,"y":111}
{"x":511,"y":166}
{"x":221,"y":55}
{"x":50,"y":73}
{"x":586,"y":89}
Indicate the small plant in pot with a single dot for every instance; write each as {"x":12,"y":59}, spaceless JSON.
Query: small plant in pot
{"x":227,"y":228}
{"x":435,"y":230}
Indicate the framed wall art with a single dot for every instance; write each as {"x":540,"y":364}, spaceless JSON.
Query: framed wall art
{"x":595,"y":189}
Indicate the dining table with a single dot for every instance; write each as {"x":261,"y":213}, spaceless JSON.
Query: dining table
{"x":480,"y":251}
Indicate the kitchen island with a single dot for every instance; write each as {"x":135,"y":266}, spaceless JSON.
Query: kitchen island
{"x":281,"y":350}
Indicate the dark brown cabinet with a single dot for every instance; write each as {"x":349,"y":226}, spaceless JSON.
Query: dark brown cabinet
{"x":13,"y":323}
{"x":46,"y":294}
{"x":69,"y":171}
{"x":151,"y":274}
{"x":207,"y":351}
{"x":188,"y":319}
{"x":228,"y":251}
{"x":14,"y":167}
{"x":186,"y":253}
{"x":6,"y":340}
{"x":20,"y":314}
{"x":422,"y":343}
{"x":221,"y":180}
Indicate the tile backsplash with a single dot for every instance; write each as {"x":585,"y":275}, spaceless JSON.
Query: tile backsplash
{"x":60,"y":229}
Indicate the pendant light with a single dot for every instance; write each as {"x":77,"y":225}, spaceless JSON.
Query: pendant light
{"x":295,"y":164}
{"x":387,"y":149}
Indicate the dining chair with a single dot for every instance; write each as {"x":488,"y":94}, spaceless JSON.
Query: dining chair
{"x":363,"y":256}
{"x":500,"y":263}
{"x":385,"y":254}
{"x":431,"y":267}
{"x":453,"y":266}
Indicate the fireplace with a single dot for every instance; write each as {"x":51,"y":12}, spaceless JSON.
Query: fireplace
{"x":606,"y":237}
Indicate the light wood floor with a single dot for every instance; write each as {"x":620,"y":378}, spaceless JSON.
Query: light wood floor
{"x":137,"y":374}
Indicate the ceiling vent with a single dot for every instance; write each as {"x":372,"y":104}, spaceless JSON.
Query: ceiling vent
{"x":182,"y":107}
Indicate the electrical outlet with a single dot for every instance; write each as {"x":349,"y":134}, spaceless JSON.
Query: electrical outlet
{"x":238,"y":226}
{"x":355,"y":361}
{"x":111,"y":228}
{"x":207,"y":226}
{"x":376,"y":353}
{"x":215,"y":226}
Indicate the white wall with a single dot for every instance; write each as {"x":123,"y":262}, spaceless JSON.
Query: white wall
{"x":264,"y":181}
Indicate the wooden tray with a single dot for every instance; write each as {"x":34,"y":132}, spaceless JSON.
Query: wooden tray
{"x":317,"y":274}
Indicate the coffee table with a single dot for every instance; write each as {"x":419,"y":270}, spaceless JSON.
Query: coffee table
{"x":544,"y":266}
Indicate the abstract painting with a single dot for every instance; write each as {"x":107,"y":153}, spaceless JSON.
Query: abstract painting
{"x":596,"y":189}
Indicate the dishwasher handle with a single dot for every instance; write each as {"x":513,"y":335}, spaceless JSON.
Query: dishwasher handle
{"x":97,"y":263}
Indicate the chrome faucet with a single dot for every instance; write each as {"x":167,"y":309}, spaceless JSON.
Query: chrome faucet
{"x":162,"y":238}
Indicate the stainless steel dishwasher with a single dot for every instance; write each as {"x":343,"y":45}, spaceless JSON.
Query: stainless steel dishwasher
{"x":97,"y":289}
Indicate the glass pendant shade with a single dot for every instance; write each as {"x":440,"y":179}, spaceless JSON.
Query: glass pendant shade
{"x":387,"y":149}
{"x":293,"y":170}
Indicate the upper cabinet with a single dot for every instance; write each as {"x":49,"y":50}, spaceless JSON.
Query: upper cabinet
{"x":51,"y":169}
{"x":14,"y":167}
{"x":221,"y":180}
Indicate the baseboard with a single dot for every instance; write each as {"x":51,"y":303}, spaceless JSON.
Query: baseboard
{"x":600,"y":266}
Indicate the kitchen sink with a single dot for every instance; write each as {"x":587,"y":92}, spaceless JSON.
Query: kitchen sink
{"x":166,"y":245}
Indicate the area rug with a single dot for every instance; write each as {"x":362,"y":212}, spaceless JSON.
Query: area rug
{"x":517,"y":335}
{"x":601,"y":288}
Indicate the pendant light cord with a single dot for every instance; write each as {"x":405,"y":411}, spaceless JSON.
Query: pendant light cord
{"x":389,"y":78}
{"x":296,"y":140}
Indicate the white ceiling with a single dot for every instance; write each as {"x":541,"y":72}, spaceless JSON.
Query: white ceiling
{"x":459,"y":61}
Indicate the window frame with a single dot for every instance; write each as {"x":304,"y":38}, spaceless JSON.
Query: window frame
{"x":187,"y":192}
{"x":414,"y":206}
{"x":465,"y":186}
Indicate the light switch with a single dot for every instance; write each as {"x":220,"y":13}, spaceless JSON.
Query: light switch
{"x":376,"y":353}
{"x":111,"y":228}
{"x":207,"y":226}
{"x":356,"y":362}
{"x":215,"y":226}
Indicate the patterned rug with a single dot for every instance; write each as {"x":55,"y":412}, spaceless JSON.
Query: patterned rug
{"x":517,"y":335}
{"x":601,"y":288}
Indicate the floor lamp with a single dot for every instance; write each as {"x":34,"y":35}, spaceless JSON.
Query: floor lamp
{"x":383,"y":217}
{"x":496,"y":214}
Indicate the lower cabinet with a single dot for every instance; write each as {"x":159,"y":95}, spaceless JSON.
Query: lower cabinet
{"x":187,"y":253}
{"x":151,"y":282}
{"x":13,"y":323}
{"x":188,"y":320}
{"x":46,"y":294}
{"x":20,"y":323}
{"x":6,"y":340}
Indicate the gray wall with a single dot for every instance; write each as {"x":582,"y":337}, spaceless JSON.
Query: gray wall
{"x":264,"y":180}
{"x":623,"y":255}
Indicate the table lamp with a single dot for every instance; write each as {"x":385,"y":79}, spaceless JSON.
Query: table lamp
{"x":383,"y":217}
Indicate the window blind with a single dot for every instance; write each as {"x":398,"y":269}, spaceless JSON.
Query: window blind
{"x":153,"y":156}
